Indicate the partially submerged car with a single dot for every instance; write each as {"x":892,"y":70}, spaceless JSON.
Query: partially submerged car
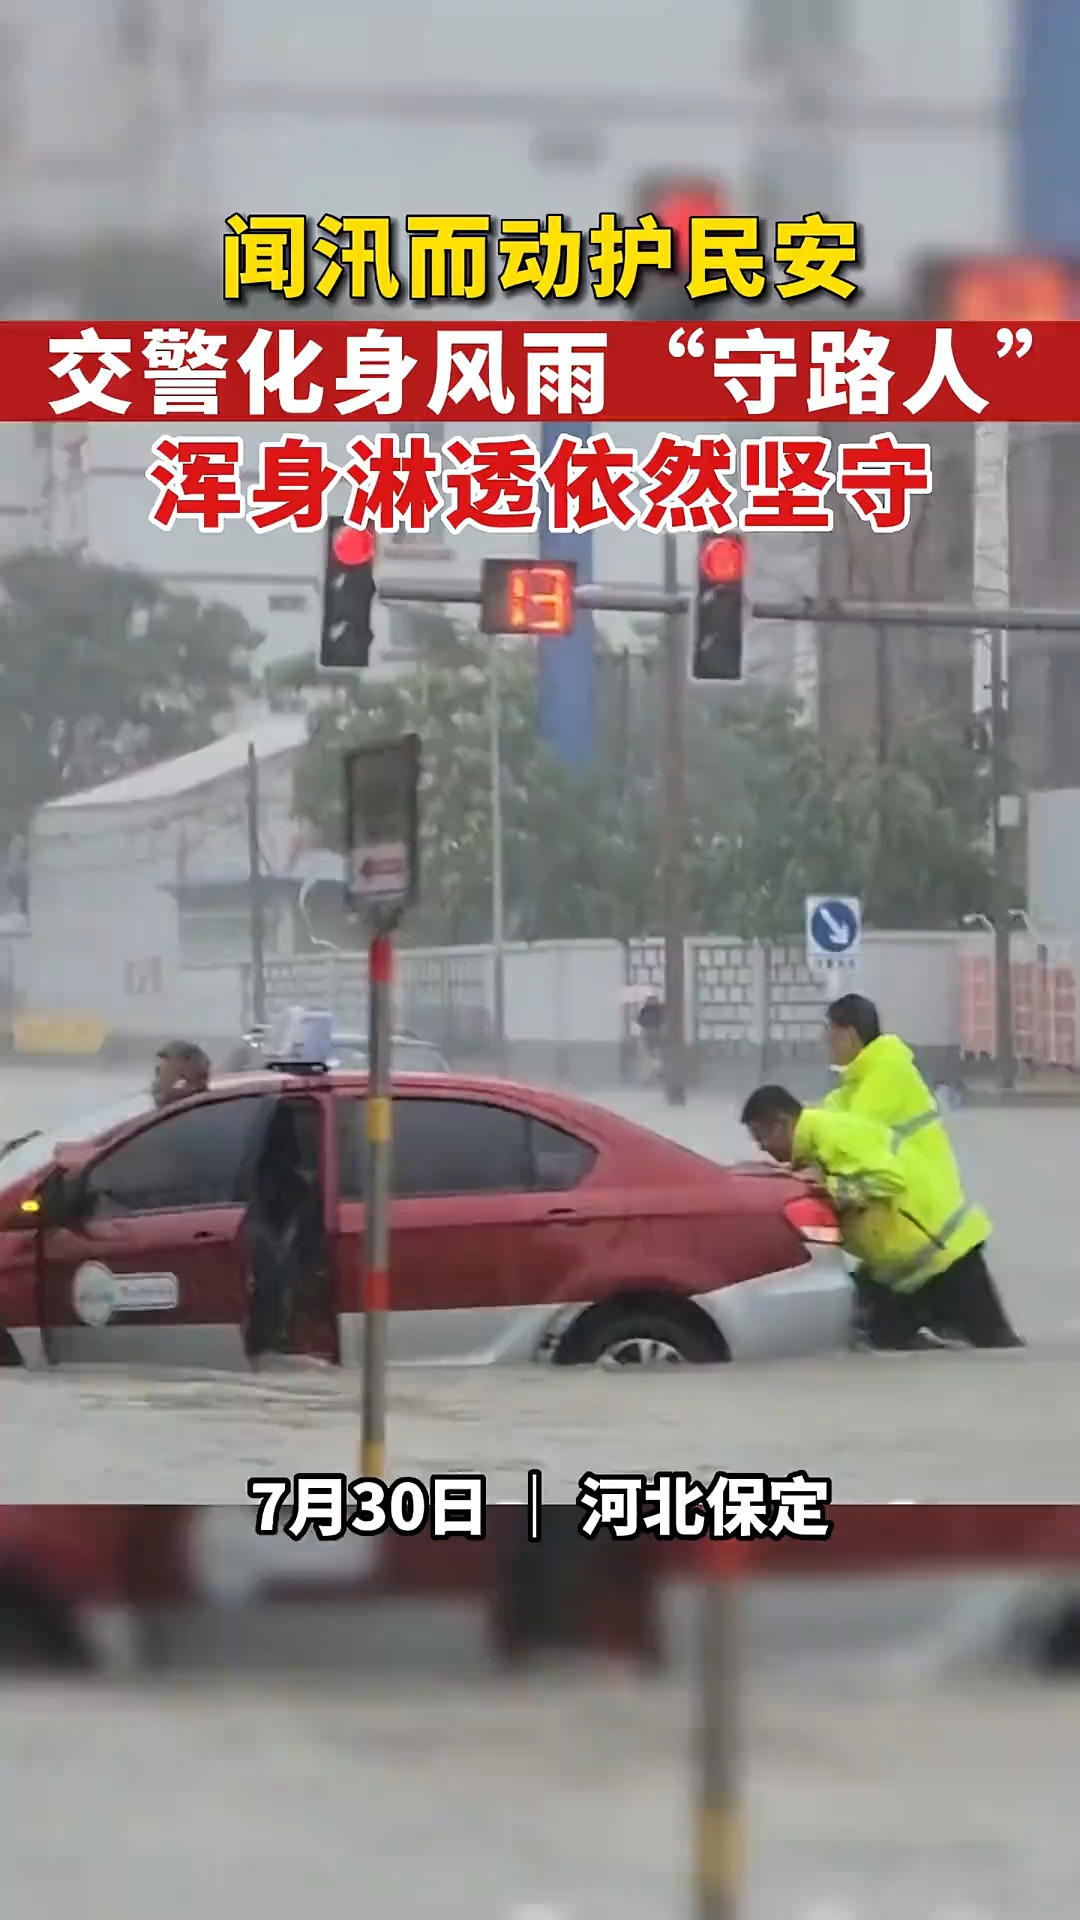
{"x":525,"y":1225}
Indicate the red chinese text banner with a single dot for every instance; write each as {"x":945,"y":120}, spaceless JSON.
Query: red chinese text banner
{"x":457,"y":374}
{"x":499,"y":483}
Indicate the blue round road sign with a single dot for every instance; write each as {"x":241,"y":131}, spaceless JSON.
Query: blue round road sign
{"x":834,"y":926}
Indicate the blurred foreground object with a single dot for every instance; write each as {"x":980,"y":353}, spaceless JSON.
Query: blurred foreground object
{"x":991,"y":287}
{"x":140,"y":1587}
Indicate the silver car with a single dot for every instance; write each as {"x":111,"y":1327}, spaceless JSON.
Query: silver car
{"x":408,"y":1054}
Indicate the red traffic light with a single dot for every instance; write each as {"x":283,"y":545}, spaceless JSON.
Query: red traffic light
{"x":353,"y":546}
{"x":676,"y":202}
{"x":534,"y":597}
{"x":722,"y":561}
{"x":1020,"y":288}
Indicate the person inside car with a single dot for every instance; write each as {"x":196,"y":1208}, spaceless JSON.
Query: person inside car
{"x":182,"y":1069}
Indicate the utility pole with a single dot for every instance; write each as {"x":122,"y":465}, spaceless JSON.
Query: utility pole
{"x":1000,"y":783}
{"x":673,"y":831}
{"x":991,"y":590}
{"x":883,"y":730}
{"x":255,"y":892}
{"x":718,"y":1864}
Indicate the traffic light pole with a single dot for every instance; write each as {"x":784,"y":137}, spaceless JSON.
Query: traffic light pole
{"x":378,"y":1111}
{"x":498,"y":856}
{"x":673,"y":832}
{"x":598,"y":598}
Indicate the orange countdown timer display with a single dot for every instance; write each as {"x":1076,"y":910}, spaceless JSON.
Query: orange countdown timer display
{"x":533,"y":597}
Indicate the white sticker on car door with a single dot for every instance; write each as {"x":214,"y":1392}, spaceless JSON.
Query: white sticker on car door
{"x":98,"y":1295}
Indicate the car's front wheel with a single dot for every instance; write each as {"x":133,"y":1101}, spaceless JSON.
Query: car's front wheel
{"x":633,"y":1336}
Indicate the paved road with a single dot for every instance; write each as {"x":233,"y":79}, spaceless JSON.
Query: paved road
{"x":986,"y":1428}
{"x":972,"y":1427}
{"x":563,"y":1799}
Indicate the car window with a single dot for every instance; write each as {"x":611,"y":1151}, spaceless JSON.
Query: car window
{"x":560,"y":1159}
{"x":406,"y":1056}
{"x":193,"y":1158}
{"x":464,"y":1146}
{"x":460,"y":1146}
{"x":352,"y":1059}
{"x":412,"y":1056}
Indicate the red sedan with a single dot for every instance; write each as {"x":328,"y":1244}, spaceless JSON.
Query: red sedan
{"x":525,"y":1225}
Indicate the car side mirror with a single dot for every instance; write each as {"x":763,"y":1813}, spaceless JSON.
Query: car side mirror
{"x":64,"y":1199}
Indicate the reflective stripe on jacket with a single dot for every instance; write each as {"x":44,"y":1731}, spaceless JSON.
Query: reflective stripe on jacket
{"x":883,"y":1083}
{"x":903,"y":1215}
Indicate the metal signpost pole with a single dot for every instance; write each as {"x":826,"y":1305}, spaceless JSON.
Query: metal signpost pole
{"x":256,"y":916}
{"x":378,"y":1111}
{"x":498,"y":867}
{"x":382,"y":858}
{"x":673,"y":852}
{"x":718,"y":1812}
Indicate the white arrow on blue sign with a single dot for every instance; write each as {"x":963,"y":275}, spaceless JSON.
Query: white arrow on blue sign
{"x":833,"y":929}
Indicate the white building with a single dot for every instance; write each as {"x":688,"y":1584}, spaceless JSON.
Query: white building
{"x":139,"y":914}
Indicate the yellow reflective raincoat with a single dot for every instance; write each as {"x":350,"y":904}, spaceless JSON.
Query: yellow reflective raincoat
{"x":903,"y":1215}
{"x":883,"y":1083}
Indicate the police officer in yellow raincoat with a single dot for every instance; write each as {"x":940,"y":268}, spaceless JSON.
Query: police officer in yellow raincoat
{"x":903,"y":1216}
{"x":880,"y":1081}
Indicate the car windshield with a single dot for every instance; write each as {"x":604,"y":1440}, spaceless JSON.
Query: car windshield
{"x":407,"y":1056}
{"x":414,"y":1057}
{"x":36,"y":1150}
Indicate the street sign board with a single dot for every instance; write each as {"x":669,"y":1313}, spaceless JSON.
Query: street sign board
{"x":382,"y":830}
{"x":833,"y":929}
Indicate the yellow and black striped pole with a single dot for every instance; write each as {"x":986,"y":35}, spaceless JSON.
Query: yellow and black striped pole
{"x":378,"y":1187}
{"x":719,"y":1851}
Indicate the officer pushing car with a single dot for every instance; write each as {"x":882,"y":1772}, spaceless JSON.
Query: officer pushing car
{"x":881,"y":1149}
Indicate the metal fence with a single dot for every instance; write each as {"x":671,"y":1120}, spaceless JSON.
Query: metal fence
{"x":444,"y":994}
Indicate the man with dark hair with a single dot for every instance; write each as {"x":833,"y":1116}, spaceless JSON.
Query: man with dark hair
{"x":853,"y":1023}
{"x":880,"y":1081}
{"x":182,"y":1069}
{"x":903,"y":1217}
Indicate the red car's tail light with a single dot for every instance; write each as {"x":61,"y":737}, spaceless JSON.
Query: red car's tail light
{"x":813,"y":1220}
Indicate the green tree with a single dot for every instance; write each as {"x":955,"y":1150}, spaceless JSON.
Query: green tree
{"x":930,"y":862}
{"x":103,"y":670}
{"x":907,"y":835}
{"x":564,"y":837}
{"x":770,"y":817}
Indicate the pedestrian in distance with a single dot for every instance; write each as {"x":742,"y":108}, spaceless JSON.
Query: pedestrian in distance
{"x":903,"y":1216}
{"x":651,"y":1018}
{"x":182,"y":1069}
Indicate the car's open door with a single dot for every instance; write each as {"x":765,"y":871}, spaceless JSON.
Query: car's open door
{"x":144,"y":1258}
